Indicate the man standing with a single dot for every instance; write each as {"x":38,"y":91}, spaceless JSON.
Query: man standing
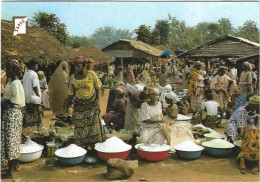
{"x":33,"y":109}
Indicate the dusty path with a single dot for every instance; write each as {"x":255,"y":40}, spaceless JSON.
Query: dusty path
{"x":171,"y":169}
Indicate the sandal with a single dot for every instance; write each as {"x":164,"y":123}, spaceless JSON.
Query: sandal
{"x":243,"y":171}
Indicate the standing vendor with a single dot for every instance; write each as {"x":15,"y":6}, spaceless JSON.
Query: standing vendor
{"x":84,"y":90}
{"x":11,"y":118}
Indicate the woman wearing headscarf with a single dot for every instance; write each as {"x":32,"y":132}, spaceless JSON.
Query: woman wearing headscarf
{"x":195,"y":87}
{"x":84,"y":91}
{"x":11,"y":118}
{"x":220,"y":86}
{"x":250,"y":140}
{"x":239,"y":118}
{"x":153,"y":129}
{"x":245,"y":82}
{"x":44,"y":87}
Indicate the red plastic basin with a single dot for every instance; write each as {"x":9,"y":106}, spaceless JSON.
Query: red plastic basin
{"x":121,"y":155}
{"x":153,"y":156}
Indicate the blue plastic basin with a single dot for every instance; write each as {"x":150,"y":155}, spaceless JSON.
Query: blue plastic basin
{"x":218,"y":152}
{"x":188,"y":155}
{"x":71,"y":161}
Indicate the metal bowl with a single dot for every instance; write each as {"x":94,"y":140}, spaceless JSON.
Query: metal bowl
{"x":30,"y":156}
{"x":218,"y":152}
{"x":188,"y":155}
{"x":71,"y":161}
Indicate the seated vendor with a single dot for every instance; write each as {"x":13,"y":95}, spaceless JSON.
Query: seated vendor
{"x":250,"y":143}
{"x":153,"y":129}
{"x":239,"y":118}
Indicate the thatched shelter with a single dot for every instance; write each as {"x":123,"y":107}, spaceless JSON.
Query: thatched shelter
{"x":100,"y":58}
{"x":36,"y":43}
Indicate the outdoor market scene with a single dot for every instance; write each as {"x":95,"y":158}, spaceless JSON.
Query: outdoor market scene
{"x":171,"y":102}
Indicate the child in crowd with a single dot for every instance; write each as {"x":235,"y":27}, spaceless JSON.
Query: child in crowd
{"x":211,"y":108}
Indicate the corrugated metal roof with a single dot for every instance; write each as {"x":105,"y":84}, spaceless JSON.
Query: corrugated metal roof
{"x":140,"y":46}
{"x":217,"y":40}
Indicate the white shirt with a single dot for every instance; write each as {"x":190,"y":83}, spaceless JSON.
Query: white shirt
{"x":151,"y":112}
{"x":30,"y":80}
{"x":15,"y":93}
{"x":232,"y":74}
{"x":211,"y":107}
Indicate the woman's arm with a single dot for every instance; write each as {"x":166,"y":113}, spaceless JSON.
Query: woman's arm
{"x":67,"y":102}
{"x":153,"y":121}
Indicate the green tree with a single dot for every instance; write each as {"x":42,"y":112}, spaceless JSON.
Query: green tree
{"x":144,"y":34}
{"x":249,"y":30}
{"x":51,"y":23}
{"x":226,"y":25}
{"x":161,"y":30}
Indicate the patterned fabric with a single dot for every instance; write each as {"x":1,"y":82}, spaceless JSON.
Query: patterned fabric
{"x":195,"y":102}
{"x":88,"y":129}
{"x":85,"y":88}
{"x":194,"y":83}
{"x":11,"y":129}
{"x":250,"y":144}
{"x":45,"y":97}
{"x":31,"y":115}
{"x":131,"y":117}
{"x":240,"y":101}
{"x":237,"y":120}
{"x":221,"y":98}
{"x":211,"y":118}
{"x":3,"y":81}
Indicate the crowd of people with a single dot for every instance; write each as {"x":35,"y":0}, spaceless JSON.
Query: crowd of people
{"x":145,"y":103}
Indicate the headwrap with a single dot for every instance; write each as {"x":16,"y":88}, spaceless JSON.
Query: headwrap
{"x":152,"y":90}
{"x":15,"y":64}
{"x":64,"y":63}
{"x":248,"y":65}
{"x":232,"y":60}
{"x":253,"y":66}
{"x":89,"y":61}
{"x":80,"y":60}
{"x":171,"y":95}
{"x":41,"y":73}
{"x":198,"y":63}
{"x":120,"y":90}
{"x":223,"y":67}
{"x":254,"y":100}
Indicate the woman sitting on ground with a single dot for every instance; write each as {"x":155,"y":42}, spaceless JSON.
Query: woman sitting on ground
{"x":172,"y":110}
{"x":153,"y":129}
{"x":250,"y":143}
{"x":239,"y":118}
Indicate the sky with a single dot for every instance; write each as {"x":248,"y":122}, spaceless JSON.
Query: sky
{"x":83,"y":18}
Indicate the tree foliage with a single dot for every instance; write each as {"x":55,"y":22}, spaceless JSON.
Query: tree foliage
{"x":51,"y":23}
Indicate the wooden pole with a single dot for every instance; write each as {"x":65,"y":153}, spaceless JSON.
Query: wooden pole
{"x":184,"y":76}
{"x":122,"y":68}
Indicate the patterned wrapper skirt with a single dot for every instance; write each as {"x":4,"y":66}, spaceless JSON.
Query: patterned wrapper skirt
{"x":31,"y":114}
{"x":195,"y":102}
{"x":88,"y":128}
{"x":11,"y":130}
{"x":131,"y":117}
{"x":213,"y":118}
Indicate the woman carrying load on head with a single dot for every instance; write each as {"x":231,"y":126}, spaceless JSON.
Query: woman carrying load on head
{"x":84,"y":91}
{"x":11,"y":118}
{"x":195,"y":87}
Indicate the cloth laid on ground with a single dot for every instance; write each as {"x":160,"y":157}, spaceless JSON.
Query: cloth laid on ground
{"x":180,"y":132}
{"x":58,"y":90}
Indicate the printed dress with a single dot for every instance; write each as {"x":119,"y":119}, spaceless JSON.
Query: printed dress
{"x":88,"y":129}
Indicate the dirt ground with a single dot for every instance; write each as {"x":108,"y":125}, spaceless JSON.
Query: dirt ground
{"x":205,"y":168}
